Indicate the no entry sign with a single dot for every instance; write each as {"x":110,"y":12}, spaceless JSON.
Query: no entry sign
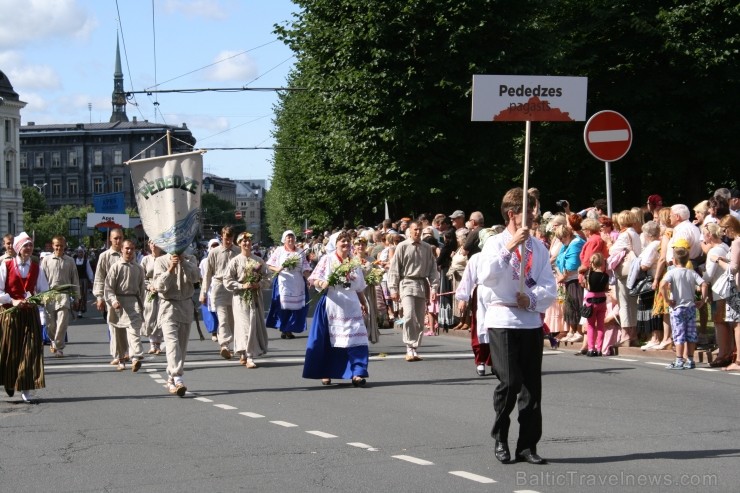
{"x":608,"y":136}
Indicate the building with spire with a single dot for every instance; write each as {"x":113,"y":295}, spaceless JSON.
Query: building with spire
{"x":11,"y":198}
{"x":73,"y":163}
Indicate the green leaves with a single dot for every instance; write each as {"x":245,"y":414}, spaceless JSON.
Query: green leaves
{"x":387,"y":112}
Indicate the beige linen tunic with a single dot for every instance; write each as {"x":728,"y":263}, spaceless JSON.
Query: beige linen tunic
{"x":176,"y":288}
{"x":218,"y":261}
{"x":250,"y":332}
{"x":125,"y":284}
{"x":105,"y":261}
{"x":59,"y":271}
{"x":151,"y":302}
{"x":412,"y":267}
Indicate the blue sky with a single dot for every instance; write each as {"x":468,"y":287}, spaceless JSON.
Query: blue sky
{"x":59,"y":55}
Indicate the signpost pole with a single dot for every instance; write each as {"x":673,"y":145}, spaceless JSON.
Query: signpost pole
{"x":525,"y":196}
{"x":608,"y":188}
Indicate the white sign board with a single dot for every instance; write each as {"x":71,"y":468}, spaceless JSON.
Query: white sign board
{"x":94,"y":218}
{"x":519,"y":98}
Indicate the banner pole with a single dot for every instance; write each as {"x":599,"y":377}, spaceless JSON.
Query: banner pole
{"x":169,"y":143}
{"x":525,"y":201}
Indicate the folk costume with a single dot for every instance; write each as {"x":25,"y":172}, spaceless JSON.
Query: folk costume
{"x":516,"y":333}
{"x":213,"y":284}
{"x":125,"y":284}
{"x":59,"y":270}
{"x":150,"y":328}
{"x":289,"y":303}
{"x":104,"y":263}
{"x":21,"y":346}
{"x":250,"y":332}
{"x":175,"y":288}
{"x":337,"y":344}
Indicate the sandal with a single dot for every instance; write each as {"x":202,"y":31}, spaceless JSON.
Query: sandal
{"x":326,"y":381}
{"x":358,"y":381}
{"x":720,"y":362}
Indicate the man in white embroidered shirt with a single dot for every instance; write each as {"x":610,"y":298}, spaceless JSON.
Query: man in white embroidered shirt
{"x":514,"y":323}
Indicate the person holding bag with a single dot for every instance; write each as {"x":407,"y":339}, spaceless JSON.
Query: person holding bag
{"x":731,"y":227}
{"x":627,"y":244}
{"x":716,"y":249}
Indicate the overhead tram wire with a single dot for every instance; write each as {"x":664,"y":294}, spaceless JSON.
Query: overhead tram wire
{"x":154,"y":49}
{"x":217,"y":89}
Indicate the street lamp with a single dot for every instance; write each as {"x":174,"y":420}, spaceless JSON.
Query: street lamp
{"x":40,"y":188}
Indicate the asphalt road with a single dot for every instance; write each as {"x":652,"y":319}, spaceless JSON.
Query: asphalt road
{"x":611,"y":424}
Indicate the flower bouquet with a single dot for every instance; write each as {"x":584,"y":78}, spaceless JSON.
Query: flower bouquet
{"x":291,"y":262}
{"x":374,"y":275}
{"x":252,"y":275}
{"x":344,"y":273}
{"x":150,"y":296}
{"x":53,"y":294}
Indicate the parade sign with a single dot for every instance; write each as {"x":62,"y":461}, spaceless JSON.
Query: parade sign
{"x":520,"y":98}
{"x":608,"y":136}
{"x":98,"y":220}
{"x":168,"y":190}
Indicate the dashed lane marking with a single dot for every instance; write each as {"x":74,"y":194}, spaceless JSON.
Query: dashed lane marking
{"x":155,"y":375}
{"x":706,"y":369}
{"x":321,"y":434}
{"x":623,"y":359}
{"x":203,"y":399}
{"x":413,"y":460}
{"x":359,"y":445}
{"x":251,"y":415}
{"x":473,"y":477}
{"x":225,"y":407}
{"x":526,"y":491}
{"x":161,"y":380}
{"x":284,"y":423}
{"x":657,"y":363}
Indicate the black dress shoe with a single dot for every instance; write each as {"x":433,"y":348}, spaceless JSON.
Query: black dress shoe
{"x":501,"y":451}
{"x":528,"y":456}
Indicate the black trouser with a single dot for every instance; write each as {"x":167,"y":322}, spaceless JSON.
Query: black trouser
{"x":517,"y":361}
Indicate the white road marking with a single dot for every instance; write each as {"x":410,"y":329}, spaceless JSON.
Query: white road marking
{"x":623,"y":359}
{"x":657,"y":363}
{"x":321,"y":434}
{"x":706,"y":369}
{"x":225,"y":407}
{"x":203,"y":399}
{"x":155,"y":375}
{"x":252,"y":415}
{"x":413,"y":460}
{"x":161,"y":380}
{"x":359,"y":445}
{"x":150,"y":370}
{"x":609,"y":135}
{"x":284,"y":423}
{"x":526,"y":491}
{"x":473,"y":477}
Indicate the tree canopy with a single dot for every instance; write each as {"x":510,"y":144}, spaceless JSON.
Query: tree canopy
{"x":384,"y":113}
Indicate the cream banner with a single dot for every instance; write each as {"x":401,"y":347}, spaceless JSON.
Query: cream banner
{"x":168,"y":192}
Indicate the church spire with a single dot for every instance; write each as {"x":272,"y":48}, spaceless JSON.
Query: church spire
{"x":118,"y":99}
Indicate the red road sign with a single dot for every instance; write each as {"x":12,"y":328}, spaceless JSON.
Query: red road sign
{"x":238,"y":215}
{"x":608,"y":136}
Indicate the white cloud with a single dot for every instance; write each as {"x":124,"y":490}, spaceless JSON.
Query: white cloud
{"x":34,"y":77}
{"x":232,"y":66}
{"x":36,"y":21}
{"x":210,"y":9}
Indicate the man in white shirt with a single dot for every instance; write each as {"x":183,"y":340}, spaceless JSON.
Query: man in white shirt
{"x":514,"y":322}
{"x":683,"y":228}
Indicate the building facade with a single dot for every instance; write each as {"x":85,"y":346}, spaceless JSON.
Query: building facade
{"x":11,"y":198}
{"x":71,"y":163}
{"x":250,"y":200}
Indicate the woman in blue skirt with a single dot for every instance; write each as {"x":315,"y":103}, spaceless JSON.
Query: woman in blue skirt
{"x":289,"y":305}
{"x":337,"y":342}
